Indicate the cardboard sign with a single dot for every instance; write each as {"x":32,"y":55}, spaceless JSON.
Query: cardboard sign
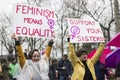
{"x":33,"y":21}
{"x":85,"y":31}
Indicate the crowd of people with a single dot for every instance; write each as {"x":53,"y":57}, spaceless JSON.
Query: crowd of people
{"x":32,"y":66}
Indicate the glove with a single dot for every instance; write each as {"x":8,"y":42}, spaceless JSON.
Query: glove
{"x":16,"y":38}
{"x":68,"y":39}
{"x":17,"y":43}
{"x":50,"y":43}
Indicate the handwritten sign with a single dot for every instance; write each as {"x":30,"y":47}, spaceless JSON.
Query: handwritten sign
{"x":33,"y":21}
{"x":86,"y":31}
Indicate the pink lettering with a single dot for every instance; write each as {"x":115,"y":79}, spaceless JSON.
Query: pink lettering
{"x":18,"y":30}
{"x":24,"y":31}
{"x":24,"y":10}
{"x":52,"y":32}
{"x":34,"y":32}
{"x":90,"y":39}
{"x":49,"y":32}
{"x":32,"y":21}
{"x":71,"y":21}
{"x":82,"y":22}
{"x":94,"y":31}
{"x":30,"y":33}
{"x":18,"y":8}
{"x":35,"y":11}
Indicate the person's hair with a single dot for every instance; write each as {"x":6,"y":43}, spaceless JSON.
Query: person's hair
{"x":65,"y":56}
{"x":80,"y":52}
{"x":31,"y":53}
{"x":3,"y":60}
{"x":26,"y":50}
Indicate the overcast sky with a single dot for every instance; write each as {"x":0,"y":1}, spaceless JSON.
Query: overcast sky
{"x":6,"y":5}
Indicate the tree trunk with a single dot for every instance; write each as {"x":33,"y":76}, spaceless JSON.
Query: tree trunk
{"x":117,"y":16}
{"x":62,"y":50}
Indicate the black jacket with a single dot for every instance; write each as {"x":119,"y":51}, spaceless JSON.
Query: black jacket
{"x":68,"y":70}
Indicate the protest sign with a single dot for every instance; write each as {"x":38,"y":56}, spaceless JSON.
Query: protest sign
{"x":33,"y":21}
{"x":85,"y":31}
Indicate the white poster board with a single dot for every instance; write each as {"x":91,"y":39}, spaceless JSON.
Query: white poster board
{"x":85,"y":31}
{"x":33,"y":21}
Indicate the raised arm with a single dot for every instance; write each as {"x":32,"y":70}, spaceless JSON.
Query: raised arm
{"x":98,"y":53}
{"x":0,"y":68}
{"x":48,"y":48}
{"x":20,"y":52}
{"x":72,"y":54}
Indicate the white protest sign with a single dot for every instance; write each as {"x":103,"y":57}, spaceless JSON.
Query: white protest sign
{"x":85,"y":31}
{"x":33,"y":21}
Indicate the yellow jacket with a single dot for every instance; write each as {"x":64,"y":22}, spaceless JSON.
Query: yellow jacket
{"x":79,"y":69}
{"x":0,"y":69}
{"x":22,"y":58}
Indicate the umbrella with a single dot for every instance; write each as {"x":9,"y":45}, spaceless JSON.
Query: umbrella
{"x":115,"y":41}
{"x":102,"y":57}
{"x":113,"y":58}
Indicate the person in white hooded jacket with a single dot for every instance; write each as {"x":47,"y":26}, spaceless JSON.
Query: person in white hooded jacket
{"x":36,"y":68}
